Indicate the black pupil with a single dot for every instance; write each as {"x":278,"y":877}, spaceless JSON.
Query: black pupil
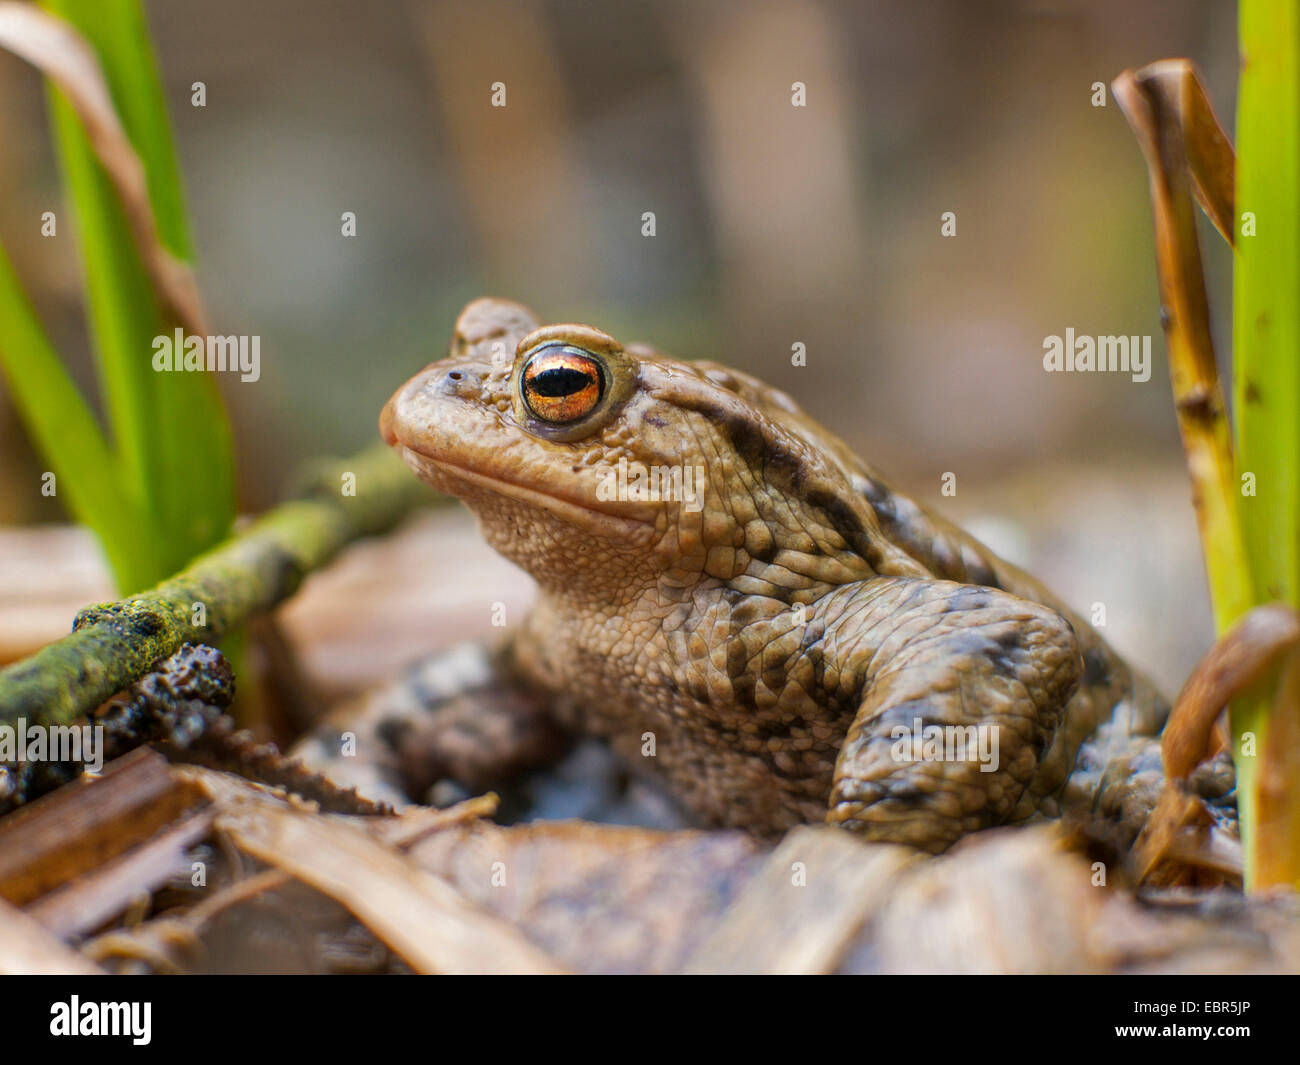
{"x":560,"y":381}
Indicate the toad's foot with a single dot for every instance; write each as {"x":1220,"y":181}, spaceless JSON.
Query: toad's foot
{"x":963,"y":689}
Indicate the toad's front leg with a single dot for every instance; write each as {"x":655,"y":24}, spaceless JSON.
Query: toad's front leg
{"x":961,"y":690}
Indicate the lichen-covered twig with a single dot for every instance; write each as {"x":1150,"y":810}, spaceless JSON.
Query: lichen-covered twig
{"x":112,"y":644}
{"x":179,"y":706}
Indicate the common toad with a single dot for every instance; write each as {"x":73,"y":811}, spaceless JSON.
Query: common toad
{"x":724,"y":586}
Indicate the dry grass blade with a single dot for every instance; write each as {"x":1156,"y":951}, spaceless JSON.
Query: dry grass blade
{"x":1180,"y":846}
{"x":1243,"y":657}
{"x":60,"y":53}
{"x":79,"y":828}
{"x":90,"y":900}
{"x":167,"y":942}
{"x":411,"y":826}
{"x":421,"y":917}
{"x":163,"y":941}
{"x":779,"y":925}
{"x":1183,"y":107}
{"x":1172,"y":121}
{"x":28,"y":949}
{"x":1209,"y":153}
{"x":1210,"y":159}
{"x":1179,"y":838}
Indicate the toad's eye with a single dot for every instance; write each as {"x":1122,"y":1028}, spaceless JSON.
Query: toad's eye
{"x":562,"y":384}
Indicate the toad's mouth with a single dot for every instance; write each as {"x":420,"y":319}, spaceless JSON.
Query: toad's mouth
{"x":576,"y":510}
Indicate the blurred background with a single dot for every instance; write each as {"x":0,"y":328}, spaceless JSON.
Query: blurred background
{"x":774,"y":225}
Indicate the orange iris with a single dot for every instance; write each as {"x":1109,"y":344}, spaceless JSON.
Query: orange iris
{"x":562,"y":384}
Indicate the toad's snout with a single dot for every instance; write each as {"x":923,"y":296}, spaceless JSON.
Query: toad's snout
{"x":432,"y":403}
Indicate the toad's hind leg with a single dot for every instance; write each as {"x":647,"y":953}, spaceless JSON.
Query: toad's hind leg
{"x":456,"y":716}
{"x":961,"y":691}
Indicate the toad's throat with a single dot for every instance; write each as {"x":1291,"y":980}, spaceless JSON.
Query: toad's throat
{"x":443,"y":474}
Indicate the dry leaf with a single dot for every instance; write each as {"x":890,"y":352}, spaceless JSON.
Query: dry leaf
{"x":62,"y":55}
{"x":420,"y":916}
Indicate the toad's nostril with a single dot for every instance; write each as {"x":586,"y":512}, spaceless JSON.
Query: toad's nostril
{"x":454,"y":382}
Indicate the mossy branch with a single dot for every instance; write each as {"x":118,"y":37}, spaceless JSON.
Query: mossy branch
{"x":112,"y":644}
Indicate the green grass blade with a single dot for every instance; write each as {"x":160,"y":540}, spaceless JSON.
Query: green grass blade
{"x":1266,"y":324}
{"x":1266,"y":291}
{"x":171,"y":431}
{"x":118,"y":31}
{"x":65,"y":430}
{"x":122,"y":313}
